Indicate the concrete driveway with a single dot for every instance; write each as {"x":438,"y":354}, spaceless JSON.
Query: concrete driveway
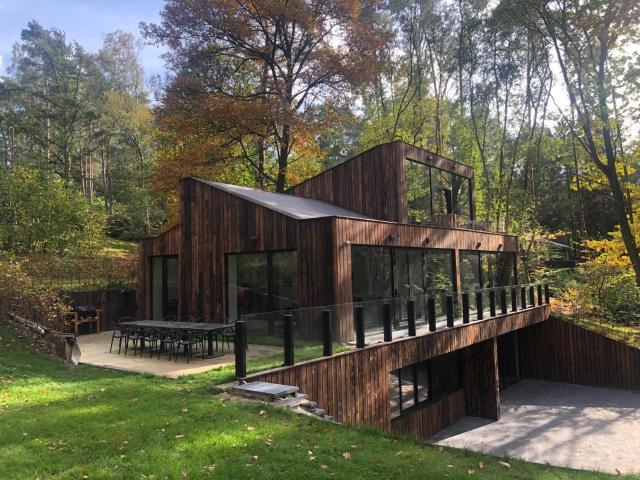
{"x":557,"y":423}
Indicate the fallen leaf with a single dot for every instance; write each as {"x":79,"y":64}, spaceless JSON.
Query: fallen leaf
{"x":505,"y":464}
{"x":179,"y":436}
{"x":471,"y":471}
{"x":323,"y":466}
{"x":481,"y":464}
{"x":346,"y":455}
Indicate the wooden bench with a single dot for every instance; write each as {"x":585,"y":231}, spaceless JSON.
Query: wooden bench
{"x":77,"y":320}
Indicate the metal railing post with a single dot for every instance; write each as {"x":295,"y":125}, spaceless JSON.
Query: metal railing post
{"x":479,"y":306}
{"x":514,"y":299}
{"x":539,"y":294}
{"x":465,"y":307}
{"x":359,"y":314}
{"x":386,"y":321}
{"x":523,"y":297}
{"x":411,"y":318}
{"x":547,"y":295}
{"x":449,"y":311}
{"x":240,"y":350}
{"x":327,"y":334}
{"x":492,"y":303}
{"x":532,"y":300}
{"x":503,"y":301}
{"x":288,"y":339}
{"x":431,"y":307}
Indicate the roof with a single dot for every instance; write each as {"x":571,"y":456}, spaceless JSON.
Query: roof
{"x":299,"y":208}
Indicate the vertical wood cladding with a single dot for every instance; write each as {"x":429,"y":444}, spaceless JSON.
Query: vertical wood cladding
{"x":563,"y":352}
{"x":354,"y":386}
{"x":426,"y":422}
{"x":166,"y":244}
{"x":373,"y":183}
{"x":215,"y":223}
{"x":480,"y":366}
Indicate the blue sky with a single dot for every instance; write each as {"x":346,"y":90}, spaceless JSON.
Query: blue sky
{"x":85,"y":21}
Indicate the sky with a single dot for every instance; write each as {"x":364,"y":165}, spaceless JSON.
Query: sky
{"x":85,"y":21}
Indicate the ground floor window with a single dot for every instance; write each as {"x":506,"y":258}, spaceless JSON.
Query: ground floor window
{"x":424,"y":382}
{"x":487,"y":269}
{"x":164,"y":286}
{"x":261,"y":282}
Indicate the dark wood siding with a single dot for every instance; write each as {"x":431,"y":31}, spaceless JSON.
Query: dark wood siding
{"x":354,"y":386}
{"x":563,"y":352}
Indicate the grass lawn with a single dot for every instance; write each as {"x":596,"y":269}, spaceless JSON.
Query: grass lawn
{"x":59,"y":422}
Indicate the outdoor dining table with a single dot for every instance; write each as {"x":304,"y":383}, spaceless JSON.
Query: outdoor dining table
{"x":209,"y":328}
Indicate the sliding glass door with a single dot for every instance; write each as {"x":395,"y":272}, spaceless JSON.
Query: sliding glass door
{"x":164,"y":286}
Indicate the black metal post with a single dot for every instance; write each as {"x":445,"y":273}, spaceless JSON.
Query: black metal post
{"x":503,"y":301}
{"x":479,"y":307}
{"x":327,"y":334}
{"x":431,"y":307}
{"x":288,"y":339}
{"x":360,"y":326}
{"x":532,"y":300}
{"x":465,"y":307}
{"x":539,"y":294}
{"x":449,"y":311}
{"x":411,"y":317}
{"x":492,"y":303}
{"x":240,"y":347}
{"x":547,"y":295}
{"x":386,"y":321}
{"x":523,"y":297}
{"x":514,"y":299}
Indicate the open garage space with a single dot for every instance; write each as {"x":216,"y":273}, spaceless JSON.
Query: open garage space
{"x":557,"y":423}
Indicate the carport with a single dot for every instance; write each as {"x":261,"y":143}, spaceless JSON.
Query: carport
{"x":557,"y":423}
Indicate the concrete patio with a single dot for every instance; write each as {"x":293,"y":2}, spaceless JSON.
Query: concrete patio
{"x":94,"y":350}
{"x":557,"y":423}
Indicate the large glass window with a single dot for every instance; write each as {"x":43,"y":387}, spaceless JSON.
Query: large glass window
{"x":487,"y":269}
{"x":164,"y":286}
{"x":418,"y":191}
{"x":261,"y":282}
{"x":434,"y":192}
{"x":371,"y":273}
{"x":424,"y":382}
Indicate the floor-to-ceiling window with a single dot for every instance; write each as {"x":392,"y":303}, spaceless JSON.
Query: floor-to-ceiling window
{"x":433,"y":192}
{"x":486,"y":269}
{"x":261,"y":282}
{"x":164,"y":286}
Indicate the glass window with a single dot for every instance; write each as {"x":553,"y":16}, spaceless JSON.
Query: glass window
{"x":470,"y":270}
{"x":445,"y":374}
{"x":488,"y":265}
{"x":418,"y":184}
{"x":407,"y":387}
{"x":461,"y":198}
{"x":422,"y":382}
{"x":394,"y":393}
{"x":506,"y":271}
{"x":261,"y":282}
{"x":156,"y":287}
{"x":441,"y":185}
{"x":164,"y":286}
{"x":370,"y":273}
{"x":439,"y":266}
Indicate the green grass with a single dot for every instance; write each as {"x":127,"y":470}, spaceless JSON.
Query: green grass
{"x":59,"y":422}
{"x":629,"y":334}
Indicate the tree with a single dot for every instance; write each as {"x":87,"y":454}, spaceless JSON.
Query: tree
{"x":255,"y":76}
{"x":587,"y":39}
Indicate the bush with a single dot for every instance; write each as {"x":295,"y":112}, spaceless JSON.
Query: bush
{"x":22,"y":295}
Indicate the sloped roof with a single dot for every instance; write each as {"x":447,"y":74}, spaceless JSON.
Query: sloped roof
{"x":299,"y":208}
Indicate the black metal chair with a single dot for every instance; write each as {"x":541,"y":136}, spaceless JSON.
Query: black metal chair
{"x":121,"y":332}
{"x":136,"y":335}
{"x":152,"y":338}
{"x":187,"y":342}
{"x":228,"y":335}
{"x":169,"y":339}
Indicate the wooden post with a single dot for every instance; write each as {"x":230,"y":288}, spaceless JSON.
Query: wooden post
{"x":503,"y":301}
{"x":327,"y":336}
{"x":386,"y":321}
{"x":465,"y":307}
{"x":449,"y":311}
{"x":411,"y":318}
{"x":479,"y":306}
{"x":288,"y":339}
{"x":359,"y":326}
{"x":240,"y":348}
{"x":431,"y":308}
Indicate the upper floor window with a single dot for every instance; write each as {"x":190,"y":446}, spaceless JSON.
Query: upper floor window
{"x":433,"y":192}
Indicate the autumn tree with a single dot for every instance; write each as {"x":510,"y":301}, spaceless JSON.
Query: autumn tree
{"x":259,"y":80}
